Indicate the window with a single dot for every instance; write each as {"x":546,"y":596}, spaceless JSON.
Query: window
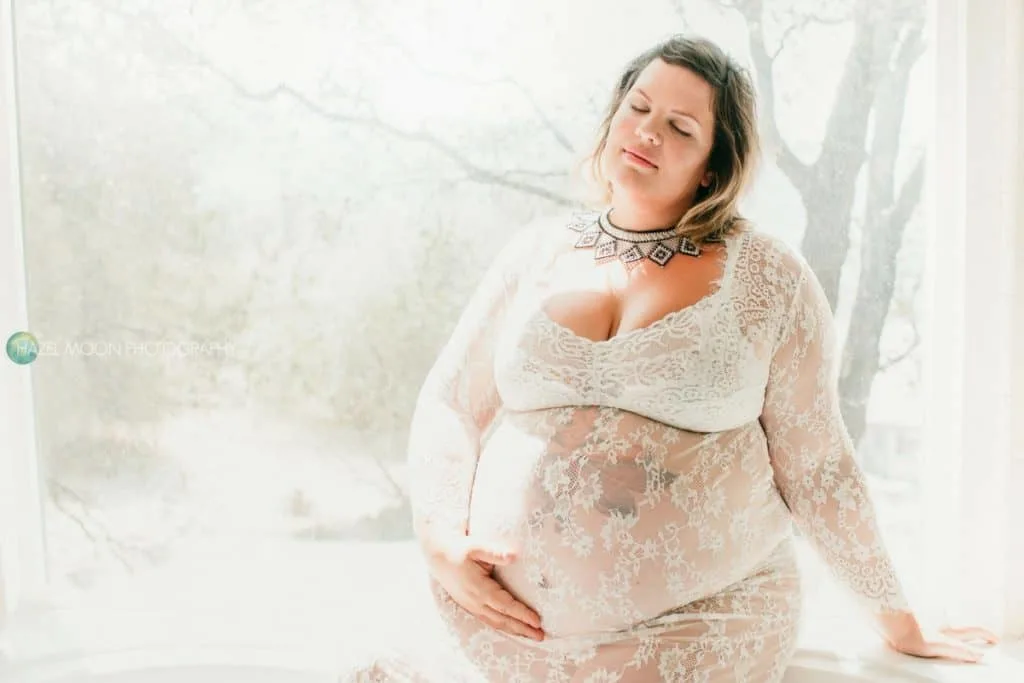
{"x":248,"y":228}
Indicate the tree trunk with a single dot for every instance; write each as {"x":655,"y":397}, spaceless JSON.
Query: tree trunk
{"x":874,"y":80}
{"x":886,"y":219}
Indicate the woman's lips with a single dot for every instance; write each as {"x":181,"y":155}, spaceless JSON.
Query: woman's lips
{"x":638,"y":159}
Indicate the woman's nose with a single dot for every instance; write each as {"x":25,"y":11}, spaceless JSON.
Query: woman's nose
{"x":647,"y":135}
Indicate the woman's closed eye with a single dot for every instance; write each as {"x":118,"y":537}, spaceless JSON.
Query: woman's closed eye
{"x":679,"y":130}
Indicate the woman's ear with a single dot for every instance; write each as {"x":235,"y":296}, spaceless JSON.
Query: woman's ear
{"x":707,"y":179}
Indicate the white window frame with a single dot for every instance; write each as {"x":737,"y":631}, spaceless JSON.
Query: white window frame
{"x":974,"y":454}
{"x":975,"y":447}
{"x":22,"y":534}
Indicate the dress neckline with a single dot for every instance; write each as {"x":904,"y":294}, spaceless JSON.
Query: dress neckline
{"x":732,"y":244}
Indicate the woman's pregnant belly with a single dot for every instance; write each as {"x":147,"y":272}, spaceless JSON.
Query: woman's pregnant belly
{"x":619,"y":519}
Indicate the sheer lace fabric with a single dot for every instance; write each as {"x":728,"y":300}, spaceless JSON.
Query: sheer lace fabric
{"x":650,"y":481}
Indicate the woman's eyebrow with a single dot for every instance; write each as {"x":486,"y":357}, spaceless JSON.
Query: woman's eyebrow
{"x":676,"y":111}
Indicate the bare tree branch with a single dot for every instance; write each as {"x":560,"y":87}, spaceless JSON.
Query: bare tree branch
{"x":915,"y":342}
{"x":898,"y":358}
{"x":828,"y":185}
{"x":392,"y":485}
{"x":85,"y":521}
{"x":887,"y":215}
{"x":868,"y":84}
{"x":538,"y":111}
{"x":475,"y":172}
{"x":680,"y":9}
{"x":799,"y":173}
{"x":504,"y":79}
{"x":537,"y":174}
{"x":909,"y":195}
{"x":799,"y":25}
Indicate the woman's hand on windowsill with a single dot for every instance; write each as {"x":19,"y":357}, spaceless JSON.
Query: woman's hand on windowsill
{"x":904,"y":634}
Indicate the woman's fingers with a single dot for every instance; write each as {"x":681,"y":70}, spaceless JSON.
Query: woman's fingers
{"x":947,"y":643}
{"x":490,"y":595}
{"x":504,"y":622}
{"x":953,"y":651}
{"x":504,"y":602}
{"x":971,"y":633}
{"x":493,"y":556}
{"x":490,"y":602}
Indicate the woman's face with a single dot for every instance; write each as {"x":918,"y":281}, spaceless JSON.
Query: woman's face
{"x":660,"y":138}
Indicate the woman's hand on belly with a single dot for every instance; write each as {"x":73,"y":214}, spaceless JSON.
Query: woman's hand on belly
{"x":463,"y":567}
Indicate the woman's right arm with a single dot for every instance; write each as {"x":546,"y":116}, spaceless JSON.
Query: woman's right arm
{"x":457,"y":403}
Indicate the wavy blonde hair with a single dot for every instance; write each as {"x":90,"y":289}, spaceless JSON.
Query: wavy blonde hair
{"x":736,"y":145}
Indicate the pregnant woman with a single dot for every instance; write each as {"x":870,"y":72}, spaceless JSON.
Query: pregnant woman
{"x":609,"y":455}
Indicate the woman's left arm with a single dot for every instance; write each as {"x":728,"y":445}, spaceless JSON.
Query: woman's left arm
{"x":815,"y":470}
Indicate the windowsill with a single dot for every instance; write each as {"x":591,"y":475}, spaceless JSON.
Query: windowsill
{"x":867,"y":661}
{"x":857,"y":651}
{"x":312,"y":626}
{"x":872,"y":663}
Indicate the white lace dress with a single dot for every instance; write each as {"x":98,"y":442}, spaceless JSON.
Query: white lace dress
{"x":650,"y":480}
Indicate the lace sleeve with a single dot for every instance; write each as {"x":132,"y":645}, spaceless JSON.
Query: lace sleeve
{"x":458,"y":401}
{"x":812,"y":454}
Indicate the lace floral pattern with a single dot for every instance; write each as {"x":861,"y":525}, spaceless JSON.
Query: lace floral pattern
{"x":650,"y":480}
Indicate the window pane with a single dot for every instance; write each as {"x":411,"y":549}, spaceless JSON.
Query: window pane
{"x":250,"y":226}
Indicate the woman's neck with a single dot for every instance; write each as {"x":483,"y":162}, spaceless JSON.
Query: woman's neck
{"x":640,"y":219}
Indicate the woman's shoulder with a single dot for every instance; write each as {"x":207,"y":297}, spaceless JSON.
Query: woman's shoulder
{"x":773,"y":251}
{"x":774,"y":262}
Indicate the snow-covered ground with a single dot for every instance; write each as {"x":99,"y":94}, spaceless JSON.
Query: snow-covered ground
{"x":318,"y":602}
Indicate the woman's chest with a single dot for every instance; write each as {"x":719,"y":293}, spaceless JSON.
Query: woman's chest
{"x":697,"y":367}
{"x":599,"y":301}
